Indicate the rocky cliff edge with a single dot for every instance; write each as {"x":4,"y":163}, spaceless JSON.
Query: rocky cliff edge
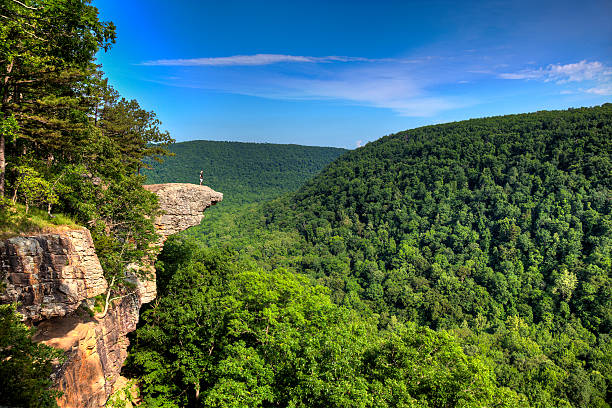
{"x":51,"y":275}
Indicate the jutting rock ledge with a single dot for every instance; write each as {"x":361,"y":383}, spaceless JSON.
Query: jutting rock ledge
{"x":183,"y":205}
{"x":51,"y":275}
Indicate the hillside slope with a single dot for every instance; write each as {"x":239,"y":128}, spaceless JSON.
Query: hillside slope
{"x":498,"y":229}
{"x":244,"y":172}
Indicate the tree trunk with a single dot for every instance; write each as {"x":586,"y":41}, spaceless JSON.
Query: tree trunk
{"x":5,"y":99}
{"x":108,"y":299}
{"x":2,"y":166}
{"x":15,"y":192}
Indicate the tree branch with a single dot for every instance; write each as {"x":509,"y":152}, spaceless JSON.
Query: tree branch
{"x":109,"y":301}
{"x":24,"y":5}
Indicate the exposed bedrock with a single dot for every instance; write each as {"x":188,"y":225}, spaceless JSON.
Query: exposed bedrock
{"x":51,"y":275}
{"x":95,"y":349}
{"x":183,"y":205}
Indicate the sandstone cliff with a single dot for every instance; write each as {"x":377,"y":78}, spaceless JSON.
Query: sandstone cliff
{"x":51,"y":275}
{"x":183,"y":205}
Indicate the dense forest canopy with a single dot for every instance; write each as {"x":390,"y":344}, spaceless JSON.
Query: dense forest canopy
{"x":496,"y":230}
{"x":244,"y":172}
{"x":225,"y":333}
{"x":504,"y":204}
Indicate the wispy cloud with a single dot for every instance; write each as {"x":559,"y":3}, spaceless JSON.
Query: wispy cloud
{"x":256,"y":59}
{"x":398,"y":84}
{"x":397,"y":91}
{"x":419,"y":87}
{"x":605,"y":89}
{"x":562,"y":74}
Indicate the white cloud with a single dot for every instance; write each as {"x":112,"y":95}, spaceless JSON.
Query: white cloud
{"x":375,"y":87}
{"x":399,"y":84}
{"x":578,"y":72}
{"x":521,"y":75}
{"x":269,"y":59}
{"x":605,"y":89}
{"x":395,"y":84}
{"x":593,"y":73}
{"x":562,"y":74}
{"x":252,"y":60}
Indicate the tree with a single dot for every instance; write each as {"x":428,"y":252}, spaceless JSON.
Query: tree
{"x":8,"y":131}
{"x":226,"y":334}
{"x":565,"y":284}
{"x":34,"y":188}
{"x":25,"y":366}
{"x":136,"y":132}
{"x":47,"y":46}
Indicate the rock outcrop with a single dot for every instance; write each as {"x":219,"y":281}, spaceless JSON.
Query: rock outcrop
{"x":50,"y":275}
{"x":183,"y":206}
{"x":53,"y":274}
{"x":95,"y":351}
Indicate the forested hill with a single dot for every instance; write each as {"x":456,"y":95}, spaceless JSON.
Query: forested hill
{"x":244,"y":172}
{"x":498,"y":230}
{"x":491,"y":225}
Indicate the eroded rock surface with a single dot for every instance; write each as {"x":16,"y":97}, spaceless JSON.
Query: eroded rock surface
{"x":95,"y":349}
{"x":81,"y":377}
{"x":183,"y":205}
{"x":49,"y":275}
{"x":52,"y":274}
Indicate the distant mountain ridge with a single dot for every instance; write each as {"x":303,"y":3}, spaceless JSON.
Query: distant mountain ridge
{"x":244,"y":172}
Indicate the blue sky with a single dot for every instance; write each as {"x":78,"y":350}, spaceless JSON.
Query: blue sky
{"x":342,"y":73}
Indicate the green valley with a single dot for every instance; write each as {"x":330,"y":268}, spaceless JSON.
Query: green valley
{"x":496,"y":232}
{"x":244,"y":172}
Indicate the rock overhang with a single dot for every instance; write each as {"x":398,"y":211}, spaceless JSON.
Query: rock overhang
{"x":182,"y":205}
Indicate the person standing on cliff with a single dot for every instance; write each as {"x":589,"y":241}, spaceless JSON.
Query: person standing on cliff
{"x":201,"y":176}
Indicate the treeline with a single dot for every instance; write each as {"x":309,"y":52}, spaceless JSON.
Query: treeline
{"x":497,"y":231}
{"x":68,"y":143}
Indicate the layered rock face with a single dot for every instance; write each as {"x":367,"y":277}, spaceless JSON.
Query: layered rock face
{"x":95,"y":351}
{"x":52,"y":274}
{"x":183,"y":205}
